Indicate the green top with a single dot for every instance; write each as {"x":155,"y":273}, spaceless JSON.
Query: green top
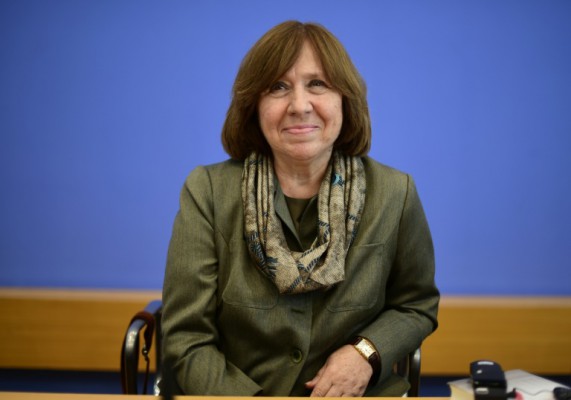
{"x":299,"y":219}
{"x":303,"y":213}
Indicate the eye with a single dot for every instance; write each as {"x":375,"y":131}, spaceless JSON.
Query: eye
{"x":317,"y":86}
{"x":278,"y":86}
{"x":317,"y":83}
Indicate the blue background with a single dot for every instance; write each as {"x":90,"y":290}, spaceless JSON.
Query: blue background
{"x":105,"y":106}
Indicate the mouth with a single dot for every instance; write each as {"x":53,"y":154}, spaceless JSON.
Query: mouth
{"x":301,"y":128}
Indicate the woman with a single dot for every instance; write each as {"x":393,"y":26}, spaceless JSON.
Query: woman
{"x":300,"y":266}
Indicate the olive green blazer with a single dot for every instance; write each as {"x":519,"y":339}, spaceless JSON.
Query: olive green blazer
{"x":226,"y":329}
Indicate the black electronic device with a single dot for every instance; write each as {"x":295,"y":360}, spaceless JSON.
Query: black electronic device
{"x":562,"y":393}
{"x":488,"y":380}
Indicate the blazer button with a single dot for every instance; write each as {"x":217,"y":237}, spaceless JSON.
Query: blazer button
{"x":296,"y":356}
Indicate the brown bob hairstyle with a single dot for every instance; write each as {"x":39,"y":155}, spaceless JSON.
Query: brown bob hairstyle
{"x":269,"y":59}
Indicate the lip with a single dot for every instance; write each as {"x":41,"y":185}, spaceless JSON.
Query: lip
{"x":301,"y":128}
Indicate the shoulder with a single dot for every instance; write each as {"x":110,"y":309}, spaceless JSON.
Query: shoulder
{"x":389,"y":186}
{"x":381,"y":175}
{"x":213,"y":187}
{"x":218,"y":183}
{"x":214,"y":175}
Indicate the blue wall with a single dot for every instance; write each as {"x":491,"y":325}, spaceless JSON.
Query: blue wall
{"x":105,"y":106}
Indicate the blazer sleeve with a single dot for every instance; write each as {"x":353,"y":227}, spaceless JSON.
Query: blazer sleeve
{"x":192,"y":361}
{"x":411,"y":301}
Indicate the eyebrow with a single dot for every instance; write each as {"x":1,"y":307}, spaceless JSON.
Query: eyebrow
{"x":310,"y":75}
{"x":319,"y":74}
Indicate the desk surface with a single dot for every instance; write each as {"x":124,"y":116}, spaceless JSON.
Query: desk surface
{"x":70,"y":396}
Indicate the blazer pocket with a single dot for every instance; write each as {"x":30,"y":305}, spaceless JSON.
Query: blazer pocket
{"x":365,"y":279}
{"x":244,"y":285}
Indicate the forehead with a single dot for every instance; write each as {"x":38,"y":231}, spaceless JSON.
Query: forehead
{"x":307,"y":61}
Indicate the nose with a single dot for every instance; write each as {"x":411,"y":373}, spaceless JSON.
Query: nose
{"x":299,"y":102}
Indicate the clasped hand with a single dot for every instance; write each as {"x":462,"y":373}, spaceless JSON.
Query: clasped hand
{"x":345,"y":374}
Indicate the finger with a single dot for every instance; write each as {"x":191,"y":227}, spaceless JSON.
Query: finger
{"x":311,"y":384}
{"x":334,"y":391}
{"x":321,"y":389}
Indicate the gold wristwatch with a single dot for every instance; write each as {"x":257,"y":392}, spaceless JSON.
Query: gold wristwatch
{"x":369,"y":353}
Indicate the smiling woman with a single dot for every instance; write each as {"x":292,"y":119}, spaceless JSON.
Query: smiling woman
{"x":301,"y":254}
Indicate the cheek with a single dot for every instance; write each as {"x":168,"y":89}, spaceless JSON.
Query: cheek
{"x":337,"y":115}
{"x":266,"y":115}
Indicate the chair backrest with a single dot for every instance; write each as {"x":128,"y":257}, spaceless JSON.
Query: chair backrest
{"x":144,"y":324}
{"x":408,"y":367}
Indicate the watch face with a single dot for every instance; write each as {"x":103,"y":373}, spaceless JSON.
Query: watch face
{"x":366,"y":348}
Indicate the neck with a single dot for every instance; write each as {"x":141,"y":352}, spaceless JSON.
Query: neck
{"x":300,"y":180}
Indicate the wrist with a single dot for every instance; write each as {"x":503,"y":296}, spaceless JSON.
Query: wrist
{"x":369,"y":352}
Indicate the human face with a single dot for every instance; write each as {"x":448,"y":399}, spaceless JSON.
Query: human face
{"x":301,"y":114}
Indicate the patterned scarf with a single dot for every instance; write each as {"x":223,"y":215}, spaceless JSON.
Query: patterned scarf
{"x":340,"y":203}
